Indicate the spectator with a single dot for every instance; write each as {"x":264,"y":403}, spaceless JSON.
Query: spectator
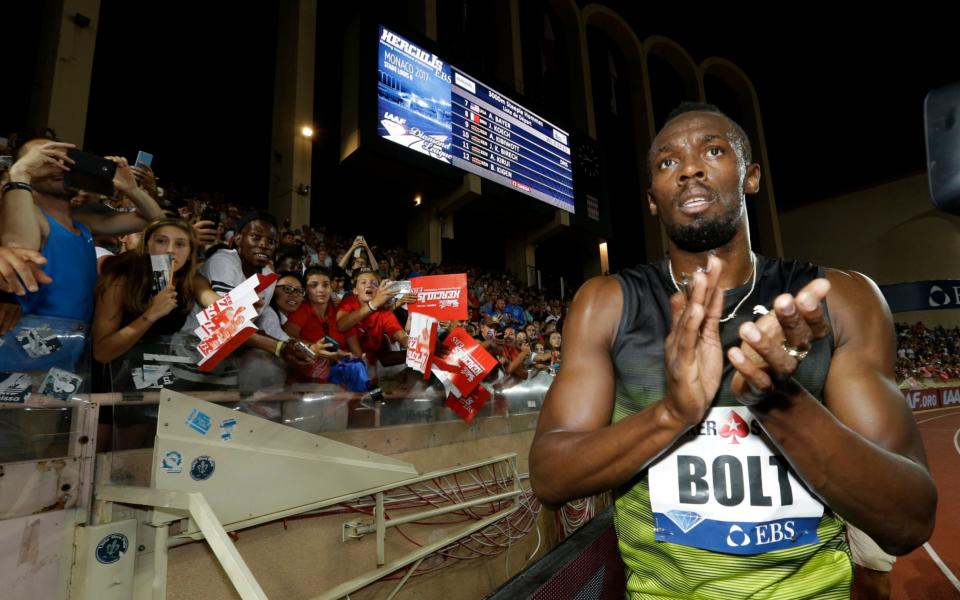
{"x":256,"y":240}
{"x":338,"y":285}
{"x":925,"y":353}
{"x":130,"y":241}
{"x":513,"y":357}
{"x":316,"y":320}
{"x":549,"y":328}
{"x":321,"y":257}
{"x":288,"y":296}
{"x":353,"y":260}
{"x":496,"y":313}
{"x":384,"y":269}
{"x":366,"y":315}
{"x":552,"y":312}
{"x":20,"y":270}
{"x":517,"y":315}
{"x":550,"y":357}
{"x":492,"y":339}
{"x":533,"y":333}
{"x":289,"y":259}
{"x":127,"y":307}
{"x":44,"y":221}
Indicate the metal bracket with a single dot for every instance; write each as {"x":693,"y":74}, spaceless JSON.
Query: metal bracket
{"x":351,"y":529}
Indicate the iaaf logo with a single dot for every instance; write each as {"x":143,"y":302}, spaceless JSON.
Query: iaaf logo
{"x":951,"y":396}
{"x":922,"y":398}
{"x":427,"y":58}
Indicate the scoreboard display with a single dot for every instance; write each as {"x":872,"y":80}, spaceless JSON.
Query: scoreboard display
{"x":431,"y":107}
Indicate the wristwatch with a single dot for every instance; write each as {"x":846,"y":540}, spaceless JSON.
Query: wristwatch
{"x":371,"y":306}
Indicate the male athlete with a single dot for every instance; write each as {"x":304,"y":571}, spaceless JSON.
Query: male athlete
{"x":742,"y":407}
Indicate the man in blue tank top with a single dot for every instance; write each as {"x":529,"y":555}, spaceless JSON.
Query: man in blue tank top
{"x":740,"y":406}
{"x":37,"y":215}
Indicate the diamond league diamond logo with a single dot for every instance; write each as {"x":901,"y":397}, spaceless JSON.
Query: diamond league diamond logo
{"x":684,"y":519}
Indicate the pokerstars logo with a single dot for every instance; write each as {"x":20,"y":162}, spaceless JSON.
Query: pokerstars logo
{"x":734,"y":427}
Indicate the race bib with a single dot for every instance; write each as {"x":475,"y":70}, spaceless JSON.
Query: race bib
{"x":724,"y":488}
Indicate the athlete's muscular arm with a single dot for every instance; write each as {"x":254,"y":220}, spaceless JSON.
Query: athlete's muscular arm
{"x":576,"y":452}
{"x":860,"y":451}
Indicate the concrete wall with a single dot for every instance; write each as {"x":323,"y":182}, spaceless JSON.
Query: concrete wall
{"x":891,"y":233}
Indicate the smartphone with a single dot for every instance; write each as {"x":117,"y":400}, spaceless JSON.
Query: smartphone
{"x":90,"y":173}
{"x":144,"y":159}
{"x":401,"y":288}
{"x":303,"y":348}
{"x":334,"y":343}
{"x":210,"y":214}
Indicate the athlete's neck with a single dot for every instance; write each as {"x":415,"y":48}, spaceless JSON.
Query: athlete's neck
{"x":735,"y":254}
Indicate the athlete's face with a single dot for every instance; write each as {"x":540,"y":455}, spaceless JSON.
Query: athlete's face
{"x":699,"y":180}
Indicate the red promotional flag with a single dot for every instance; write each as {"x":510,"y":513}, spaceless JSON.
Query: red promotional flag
{"x":465,"y":364}
{"x":226,"y":324}
{"x":469,"y":406}
{"x":443,"y":297}
{"x":420,"y":344}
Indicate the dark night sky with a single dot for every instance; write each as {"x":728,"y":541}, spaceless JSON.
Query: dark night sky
{"x":192,"y":82}
{"x":841,"y":99}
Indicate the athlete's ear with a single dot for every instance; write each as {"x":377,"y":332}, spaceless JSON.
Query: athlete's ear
{"x":651,"y":203}
{"x":751,"y":183}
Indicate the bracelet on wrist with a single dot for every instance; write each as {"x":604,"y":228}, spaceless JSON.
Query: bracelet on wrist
{"x":16,"y":185}
{"x":279,"y":349}
{"x":371,"y":306}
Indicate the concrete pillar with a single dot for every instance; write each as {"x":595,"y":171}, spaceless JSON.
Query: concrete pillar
{"x":422,"y":17}
{"x":520,"y":258}
{"x":61,"y":90}
{"x":433,"y":220}
{"x":509,"y":50}
{"x":292,"y":153}
{"x":423,"y":234}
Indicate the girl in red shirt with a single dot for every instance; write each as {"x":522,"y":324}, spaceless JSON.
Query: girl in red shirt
{"x":315,"y":320}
